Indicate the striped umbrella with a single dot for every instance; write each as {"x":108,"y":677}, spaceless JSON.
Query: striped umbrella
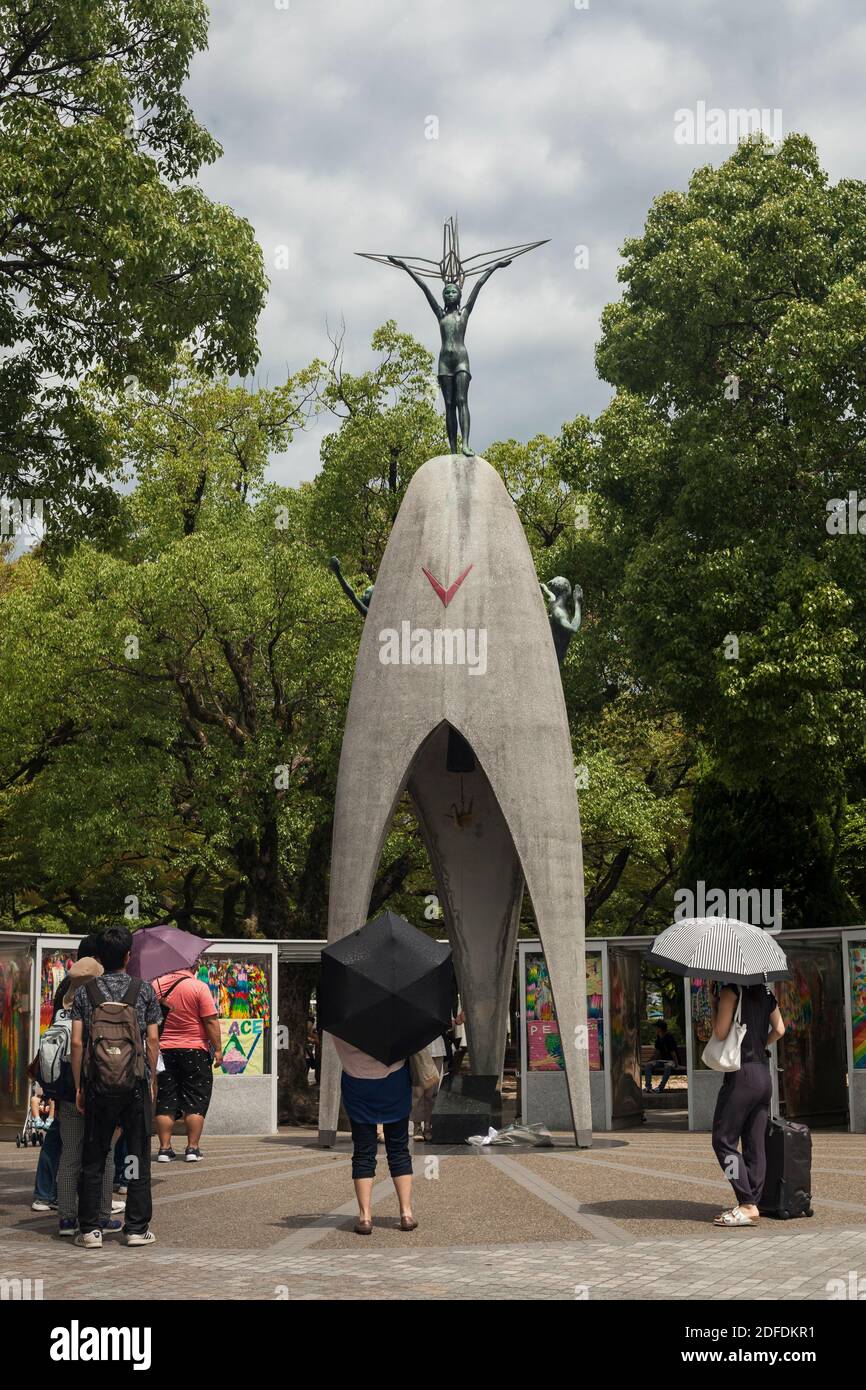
{"x":721,"y":948}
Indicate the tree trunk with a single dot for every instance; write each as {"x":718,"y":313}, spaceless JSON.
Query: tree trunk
{"x":267,"y":905}
{"x":231,"y":897}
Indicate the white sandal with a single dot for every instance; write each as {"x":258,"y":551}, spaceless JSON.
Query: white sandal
{"x":734,"y":1217}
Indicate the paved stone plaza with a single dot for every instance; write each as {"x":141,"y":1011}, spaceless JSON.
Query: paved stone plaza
{"x":271,"y":1218}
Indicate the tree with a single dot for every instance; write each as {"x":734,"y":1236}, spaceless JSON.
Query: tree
{"x":749,"y":838}
{"x":172,"y":707}
{"x":633,"y":762}
{"x":737,"y":351}
{"x":165,"y":744}
{"x":388,"y":426}
{"x":110,"y":255}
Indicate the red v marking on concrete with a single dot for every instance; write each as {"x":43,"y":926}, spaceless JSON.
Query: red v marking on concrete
{"x":446,"y":595}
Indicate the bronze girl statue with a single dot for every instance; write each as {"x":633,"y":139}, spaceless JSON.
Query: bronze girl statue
{"x":453,"y":368}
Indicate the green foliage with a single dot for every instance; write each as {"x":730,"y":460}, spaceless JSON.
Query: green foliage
{"x":171,"y":714}
{"x":749,"y":839}
{"x":388,"y":428}
{"x":737,"y":350}
{"x":110,"y":255}
{"x":173,"y":703}
{"x":632,"y":758}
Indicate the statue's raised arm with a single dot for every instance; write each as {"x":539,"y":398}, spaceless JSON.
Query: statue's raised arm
{"x":453,"y":366}
{"x":479,"y":284}
{"x":363,"y":603}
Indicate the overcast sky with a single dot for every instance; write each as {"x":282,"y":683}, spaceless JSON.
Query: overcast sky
{"x":553,"y":121}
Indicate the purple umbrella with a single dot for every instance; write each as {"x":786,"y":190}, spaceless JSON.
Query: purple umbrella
{"x":159,"y":950}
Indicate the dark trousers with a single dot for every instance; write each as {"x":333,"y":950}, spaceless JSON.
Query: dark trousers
{"x":742,"y":1111}
{"x":396,"y":1148}
{"x":120,"y":1162}
{"x":102,"y":1115}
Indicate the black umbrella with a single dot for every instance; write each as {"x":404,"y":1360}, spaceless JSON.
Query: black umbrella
{"x":386,"y":989}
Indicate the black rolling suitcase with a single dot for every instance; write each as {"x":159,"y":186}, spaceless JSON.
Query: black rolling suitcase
{"x":788,"y":1185}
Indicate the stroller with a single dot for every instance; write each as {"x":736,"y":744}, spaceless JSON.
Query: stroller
{"x":35,"y":1126}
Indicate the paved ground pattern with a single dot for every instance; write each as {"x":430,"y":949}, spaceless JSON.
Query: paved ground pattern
{"x":271,"y":1218}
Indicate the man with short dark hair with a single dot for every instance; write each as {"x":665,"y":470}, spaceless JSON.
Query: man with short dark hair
{"x":665,"y":1059}
{"x":132,"y":1110}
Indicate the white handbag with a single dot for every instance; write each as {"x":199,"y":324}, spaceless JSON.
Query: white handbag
{"x":723,"y":1054}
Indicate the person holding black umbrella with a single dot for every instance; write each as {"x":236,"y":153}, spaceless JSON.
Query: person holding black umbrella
{"x":377,"y":1094}
{"x":384,"y":994}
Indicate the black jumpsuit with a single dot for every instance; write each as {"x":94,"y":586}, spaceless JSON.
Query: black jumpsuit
{"x":743,"y":1106}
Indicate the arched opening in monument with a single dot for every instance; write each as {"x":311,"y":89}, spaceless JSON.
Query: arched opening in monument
{"x":479,"y":882}
{"x":452,"y":868}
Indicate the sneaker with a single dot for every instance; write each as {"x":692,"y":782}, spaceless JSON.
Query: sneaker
{"x":90,"y":1240}
{"x":67,"y":1227}
{"x":38,"y":1205}
{"x":116,"y":1207}
{"x":166,"y":1155}
{"x":141,"y":1238}
{"x":110,"y":1228}
{"x":193,"y":1155}
{"x":121,"y":1189}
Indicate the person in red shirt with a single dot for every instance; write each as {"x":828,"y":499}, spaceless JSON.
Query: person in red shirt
{"x":190,"y":1048}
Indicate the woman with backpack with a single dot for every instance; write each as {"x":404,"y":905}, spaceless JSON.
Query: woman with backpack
{"x":54,"y":1058}
{"x":50,"y":1070}
{"x":45,"y":1182}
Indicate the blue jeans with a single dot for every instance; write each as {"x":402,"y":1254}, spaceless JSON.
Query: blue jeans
{"x":654,"y":1067}
{"x":45,"y":1184}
